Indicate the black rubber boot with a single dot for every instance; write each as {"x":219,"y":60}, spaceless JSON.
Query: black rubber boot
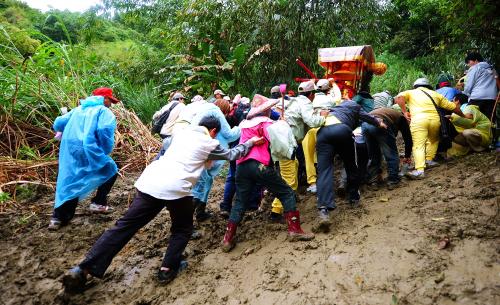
{"x":201,"y":210}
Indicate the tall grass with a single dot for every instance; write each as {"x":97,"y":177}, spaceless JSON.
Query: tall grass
{"x":401,"y":73}
{"x":144,"y":99}
{"x":34,"y":88}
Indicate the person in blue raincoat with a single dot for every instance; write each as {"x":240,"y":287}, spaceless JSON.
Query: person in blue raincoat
{"x":84,"y":161}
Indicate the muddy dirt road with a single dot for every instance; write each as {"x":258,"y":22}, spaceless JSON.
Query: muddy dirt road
{"x":386,"y":252}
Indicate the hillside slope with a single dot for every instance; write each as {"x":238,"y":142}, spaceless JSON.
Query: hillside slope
{"x":385,"y":252}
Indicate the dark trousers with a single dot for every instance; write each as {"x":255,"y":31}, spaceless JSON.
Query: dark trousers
{"x":230,"y":191}
{"x":362,"y":161}
{"x":485,"y":106}
{"x":142,"y":210}
{"x":382,"y":142}
{"x":66,"y":211}
{"x":251,"y":172}
{"x":332,"y":140}
{"x":301,"y":170}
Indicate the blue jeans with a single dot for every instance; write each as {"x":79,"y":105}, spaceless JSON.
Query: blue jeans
{"x":230,"y":191}
{"x":382,"y":142}
{"x":202,"y":188}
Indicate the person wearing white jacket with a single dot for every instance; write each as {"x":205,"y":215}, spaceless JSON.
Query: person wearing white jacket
{"x":165,"y":183}
{"x":327,"y":96}
{"x":299,"y":114}
{"x":481,"y":84}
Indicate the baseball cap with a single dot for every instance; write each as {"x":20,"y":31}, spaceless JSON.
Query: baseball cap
{"x":106,"y":92}
{"x":218,"y":91}
{"x":197,"y":98}
{"x":323,"y":84}
{"x":177,"y":96}
{"x":307,"y":86}
{"x":275,"y":89}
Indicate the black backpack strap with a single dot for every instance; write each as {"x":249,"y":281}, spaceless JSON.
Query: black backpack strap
{"x":432,"y":100}
{"x":160,"y":121}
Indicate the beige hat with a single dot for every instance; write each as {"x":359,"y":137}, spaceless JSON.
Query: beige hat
{"x":260,"y":104}
{"x":307,"y":86}
{"x":275,"y":89}
{"x":218,"y":91}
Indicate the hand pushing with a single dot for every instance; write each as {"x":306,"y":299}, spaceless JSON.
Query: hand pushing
{"x":257,"y":140}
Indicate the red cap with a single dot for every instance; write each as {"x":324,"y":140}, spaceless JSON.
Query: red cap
{"x":444,"y":84}
{"x":106,"y":92}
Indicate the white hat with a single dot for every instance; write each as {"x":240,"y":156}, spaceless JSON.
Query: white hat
{"x":227,"y":98}
{"x":245,"y":101}
{"x":177,"y":96}
{"x":307,"y":86}
{"x":197,"y":98}
{"x":421,"y":82}
{"x":275,"y":89}
{"x":218,"y":91}
{"x":323,"y":84}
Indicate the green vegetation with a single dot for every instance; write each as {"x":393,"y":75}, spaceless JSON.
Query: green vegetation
{"x":146,"y":49}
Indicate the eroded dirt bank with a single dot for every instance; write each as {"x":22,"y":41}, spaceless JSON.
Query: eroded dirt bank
{"x":386,"y":252}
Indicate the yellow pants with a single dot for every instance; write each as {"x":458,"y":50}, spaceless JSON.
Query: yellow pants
{"x":309,"y":147}
{"x":425,"y":136}
{"x":288,"y":170}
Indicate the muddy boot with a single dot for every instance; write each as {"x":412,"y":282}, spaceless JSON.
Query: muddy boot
{"x":295,"y":232}
{"x":166,"y":275}
{"x":392,"y":184}
{"x":201,"y":210}
{"x":228,"y":243}
{"x":341,"y":189}
{"x":55,"y":224}
{"x":324,"y":222}
{"x":276,"y":218}
{"x":74,"y":280}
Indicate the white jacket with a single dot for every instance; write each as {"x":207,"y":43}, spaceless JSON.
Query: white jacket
{"x":173,"y":175}
{"x":167,"y":128}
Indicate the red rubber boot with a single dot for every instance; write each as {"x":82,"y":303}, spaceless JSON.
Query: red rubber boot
{"x":295,"y":232}
{"x":228,"y":243}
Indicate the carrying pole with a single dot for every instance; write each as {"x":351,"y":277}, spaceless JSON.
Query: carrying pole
{"x":308,"y":71}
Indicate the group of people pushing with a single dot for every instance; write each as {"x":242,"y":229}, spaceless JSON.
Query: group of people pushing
{"x":199,"y":137}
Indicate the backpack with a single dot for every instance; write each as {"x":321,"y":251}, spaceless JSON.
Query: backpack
{"x":241,"y":112}
{"x":159,"y":121}
{"x":283,"y":143}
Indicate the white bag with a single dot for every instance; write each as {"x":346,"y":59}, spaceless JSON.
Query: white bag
{"x":283,"y":143}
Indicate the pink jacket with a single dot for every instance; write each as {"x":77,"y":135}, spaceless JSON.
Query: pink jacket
{"x":256,"y":127}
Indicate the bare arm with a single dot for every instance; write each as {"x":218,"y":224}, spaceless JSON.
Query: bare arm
{"x":402,"y":104}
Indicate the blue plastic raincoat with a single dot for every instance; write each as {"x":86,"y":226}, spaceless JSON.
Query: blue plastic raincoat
{"x":87,"y":140}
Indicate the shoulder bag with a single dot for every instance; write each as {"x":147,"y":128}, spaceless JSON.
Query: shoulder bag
{"x":447,"y":131}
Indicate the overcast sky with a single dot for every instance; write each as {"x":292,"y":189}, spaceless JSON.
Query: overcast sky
{"x":72,"y":5}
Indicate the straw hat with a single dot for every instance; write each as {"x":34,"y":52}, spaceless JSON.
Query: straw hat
{"x":260,"y":104}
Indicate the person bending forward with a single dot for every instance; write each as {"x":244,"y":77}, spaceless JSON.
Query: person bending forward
{"x":166,"y":182}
